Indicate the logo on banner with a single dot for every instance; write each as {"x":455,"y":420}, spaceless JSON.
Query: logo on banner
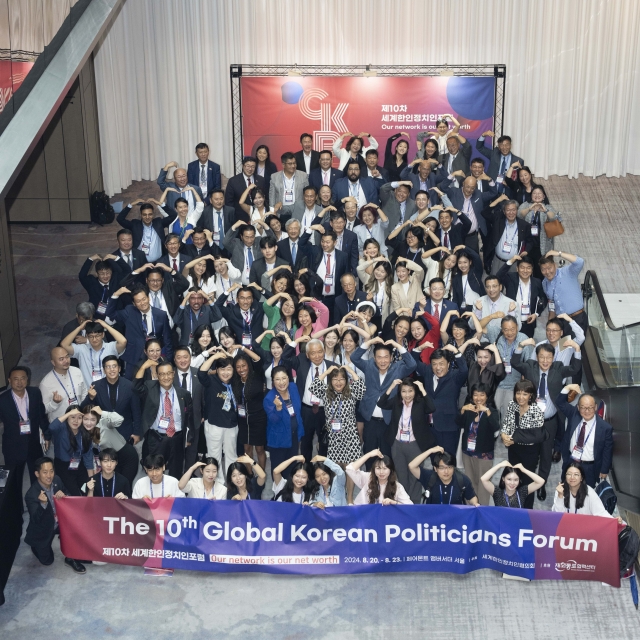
{"x":572,"y":565}
{"x":326,"y":135}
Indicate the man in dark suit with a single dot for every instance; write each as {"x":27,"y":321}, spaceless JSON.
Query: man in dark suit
{"x":377,"y":173}
{"x":329,"y":263}
{"x":167,"y":416}
{"x":346,"y":241}
{"x":526,"y":290}
{"x":363,"y":189}
{"x":436,"y":305}
{"x":485,"y":184}
{"x":179,"y":188}
{"x":218,"y":218}
{"x":203,"y":244}
{"x":127,"y":257}
{"x":423,"y":180}
{"x":237,"y":185}
{"x":244,"y":318}
{"x":187,"y":320}
{"x":451,"y":235}
{"x":307,"y":159}
{"x":290,"y":250}
{"x":43,"y":523}
{"x":107,"y":279}
{"x":174,"y":258}
{"x":547,"y":377}
{"x":186,"y":377}
{"x":510,"y":234}
{"x":443,"y":384}
{"x":458,"y":157}
{"x":23,"y":414}
{"x":240,"y":242}
{"x":500,"y":158}
{"x":204,"y":172}
{"x":588,"y":438}
{"x":268,"y":262}
{"x":324,"y":174}
{"x":396,"y":203}
{"x":148,"y":231}
{"x":349,"y":299}
{"x":141,"y":322}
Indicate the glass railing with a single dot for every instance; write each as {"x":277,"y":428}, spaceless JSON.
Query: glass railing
{"x":618,"y":348}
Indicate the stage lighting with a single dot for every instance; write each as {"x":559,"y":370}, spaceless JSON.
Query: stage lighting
{"x":446,"y":72}
{"x":367,"y":73}
{"x":294,"y":72}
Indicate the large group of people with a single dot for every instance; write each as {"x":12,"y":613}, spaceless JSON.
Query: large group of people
{"x":363,"y":325}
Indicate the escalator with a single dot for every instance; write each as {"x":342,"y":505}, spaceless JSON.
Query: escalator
{"x":611,"y":360}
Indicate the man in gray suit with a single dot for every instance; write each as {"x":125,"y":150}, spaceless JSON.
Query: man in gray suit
{"x":287,"y":186}
{"x":242,"y":249}
{"x":186,"y":377}
{"x":396,"y":204}
{"x":458,"y":157}
{"x":305,"y":212}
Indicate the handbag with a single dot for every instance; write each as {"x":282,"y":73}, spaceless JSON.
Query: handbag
{"x":553,"y":228}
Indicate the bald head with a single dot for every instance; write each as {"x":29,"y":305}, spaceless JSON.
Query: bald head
{"x":180,"y":178}
{"x":469,"y":186}
{"x":60,"y":360}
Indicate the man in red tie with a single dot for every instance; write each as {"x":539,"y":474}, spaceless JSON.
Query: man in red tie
{"x":587,"y":438}
{"x":167,"y":415}
{"x":173,"y":258}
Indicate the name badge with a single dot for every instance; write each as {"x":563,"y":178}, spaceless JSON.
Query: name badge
{"x":500,"y":179}
{"x":74,"y":463}
{"x":525,"y":310}
{"x":535,"y":230}
{"x":145,"y":248}
{"x":96,"y":464}
{"x":471,"y":444}
{"x":25,"y":427}
{"x":163,"y":424}
{"x":102,"y":308}
{"x":507,"y":246}
{"x":241,"y":412}
{"x":290,"y":409}
{"x":328,"y":279}
{"x":405,"y":436}
{"x":507,"y":368}
{"x":246,"y":339}
{"x":96,"y":375}
{"x":336,"y":426}
{"x":542,"y":404}
{"x":577,"y":452}
{"x":288,"y":197}
{"x":73,"y":401}
{"x":227,"y":404}
{"x":216,"y":236}
{"x":552,"y":306}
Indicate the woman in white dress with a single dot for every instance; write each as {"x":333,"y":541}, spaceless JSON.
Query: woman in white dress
{"x":354,"y":148}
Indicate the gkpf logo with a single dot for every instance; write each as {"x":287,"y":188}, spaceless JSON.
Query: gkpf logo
{"x":572,"y":565}
{"x":331,"y":124}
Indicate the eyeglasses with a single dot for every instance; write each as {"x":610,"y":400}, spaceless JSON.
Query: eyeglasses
{"x":445,"y":468}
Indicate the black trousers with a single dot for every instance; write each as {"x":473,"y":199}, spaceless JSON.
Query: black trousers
{"x":314,"y":424}
{"x":44,"y":553}
{"x":528,"y":455}
{"x":128,"y":462}
{"x":374,"y":438}
{"x":171,"y":448}
{"x":528,"y":329}
{"x":73,"y":479}
{"x":473,"y":241}
{"x":546,"y":448}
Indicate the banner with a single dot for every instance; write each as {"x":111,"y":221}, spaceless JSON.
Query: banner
{"x":232,"y":536}
{"x":277,"y":109}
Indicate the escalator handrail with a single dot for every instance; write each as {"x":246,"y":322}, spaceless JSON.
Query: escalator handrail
{"x":591,"y":278}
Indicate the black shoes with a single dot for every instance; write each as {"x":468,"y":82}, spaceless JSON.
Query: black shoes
{"x":542,"y":493}
{"x":75,"y":565}
{"x":556,"y":457}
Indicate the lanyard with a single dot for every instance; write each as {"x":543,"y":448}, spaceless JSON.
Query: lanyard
{"x":105,"y":292}
{"x":291,"y":184}
{"x":91,"y":350}
{"x":441,"y":496}
{"x":113,"y":408}
{"x":191,"y":318}
{"x":522,"y":295}
{"x":113,"y":488}
{"x":13,"y":395}
{"x":506,"y":499}
{"x":476,"y":421}
{"x":182,"y":229}
{"x":338,"y":410}
{"x":246,"y":321}
{"x":151,"y":487}
{"x":64,"y":388}
{"x":513,"y":235}
{"x":584,"y":444}
{"x":150,"y":229}
{"x":231,"y":396}
{"x":415,"y":254}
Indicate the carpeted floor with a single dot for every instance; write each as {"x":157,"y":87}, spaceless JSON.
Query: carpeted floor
{"x":112,"y":601}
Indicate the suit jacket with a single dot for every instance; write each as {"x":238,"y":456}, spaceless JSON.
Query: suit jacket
{"x":408,"y":174}
{"x":474,"y":280}
{"x":479,"y":200}
{"x":297,"y":213}
{"x":269,"y":169}
{"x":173,"y":288}
{"x":400,"y":369}
{"x":259,"y":268}
{"x":172,"y":196}
{"x":315,"y":160}
{"x":458,"y":231}
{"x":302,"y":255}
{"x":276,"y":187}
{"x":391,"y":206}
{"x":341,"y":266}
{"x":236,"y":186}
{"x":188,"y":323}
{"x":495,"y":159}
{"x":191,"y":251}
{"x":213,"y":175}
{"x":235,"y":247}
{"x":92,"y":285}
{"x":420,"y":425}
{"x":602,"y":436}
{"x":499,"y":222}
{"x":341,"y":190}
{"x":315,"y":177}
{"x":350,"y":247}
{"x":235,"y":320}
{"x":182,"y":260}
{"x":461,"y":161}
{"x":16,"y":447}
{"x":42,"y":522}
{"x":444,"y":307}
{"x":149,"y":394}
{"x":343,"y":305}
{"x":136,"y":227}
{"x":127,"y":405}
{"x":197,"y":401}
{"x":511,"y":281}
{"x":301,"y":365}
{"x":139,"y":260}
{"x":228,"y":220}
{"x":445,"y":396}
{"x":131,"y":319}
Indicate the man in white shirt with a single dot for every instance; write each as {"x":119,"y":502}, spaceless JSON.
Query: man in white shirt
{"x":311,"y":211}
{"x":62,"y":386}
{"x":490,"y":309}
{"x":351,"y":213}
{"x":156,"y":484}
{"x":307,"y":158}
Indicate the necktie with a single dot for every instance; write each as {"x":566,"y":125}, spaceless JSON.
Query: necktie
{"x":327,"y":287}
{"x":183,"y":384}
{"x":175,"y":265}
{"x":354,"y":190}
{"x":168,"y":412}
{"x":156,"y":304}
{"x":503,"y":168}
{"x":403,"y":208}
{"x":248,"y":182}
{"x":436,"y":311}
{"x":128,"y":259}
{"x":220,"y":229}
{"x":580,"y":443}
{"x":250,"y":258}
{"x":203,"y":175}
{"x":315,"y":407}
{"x":247,"y":319}
{"x":446,"y":240}
{"x":144,"y":323}
{"x":326,"y":177}
{"x":294,"y":252}
{"x":542,"y":389}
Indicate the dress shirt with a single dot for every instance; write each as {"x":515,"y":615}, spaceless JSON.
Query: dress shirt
{"x":157,"y":300}
{"x":469,"y":296}
{"x":70,"y":385}
{"x":288,"y":186}
{"x":377,"y":412}
{"x":356,"y":191}
{"x":90,"y":360}
{"x":307,"y":397}
{"x":307,"y":162}
{"x":175,"y":406}
{"x":308,"y":217}
{"x":523,"y":296}
{"x":188,"y":380}
{"x":405,"y":422}
{"x":326,"y":176}
{"x":168,"y":487}
{"x":322,"y":272}
{"x":467,"y":209}
{"x":350,"y":225}
{"x":127,"y":257}
{"x":247,"y":179}
{"x":510,"y":238}
{"x":564,"y":290}
{"x":589,"y":438}
{"x":451,"y":159}
{"x":152,"y":241}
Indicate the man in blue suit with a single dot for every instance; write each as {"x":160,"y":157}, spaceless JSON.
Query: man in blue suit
{"x":141,"y":322}
{"x":443,"y":385}
{"x":587,"y":438}
{"x":204,"y":172}
{"x":423,"y":180}
{"x":325,"y":173}
{"x":500,"y":158}
{"x":362,"y":189}
{"x":380,"y":372}
{"x":347,"y":241}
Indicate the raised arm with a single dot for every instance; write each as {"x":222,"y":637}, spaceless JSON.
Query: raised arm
{"x":416,"y":463}
{"x":277,"y":472}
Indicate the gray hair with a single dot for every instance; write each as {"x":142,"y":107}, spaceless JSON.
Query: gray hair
{"x":85,"y":309}
{"x":508,"y":203}
{"x":314,"y":343}
{"x":290,"y":221}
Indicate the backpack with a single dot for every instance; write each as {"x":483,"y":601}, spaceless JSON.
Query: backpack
{"x":100,"y":208}
{"x":628,"y":548}
{"x":458,"y":478}
{"x":607,"y":495}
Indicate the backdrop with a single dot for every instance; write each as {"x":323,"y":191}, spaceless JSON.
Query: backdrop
{"x":162,"y":71}
{"x":276,"y":110}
